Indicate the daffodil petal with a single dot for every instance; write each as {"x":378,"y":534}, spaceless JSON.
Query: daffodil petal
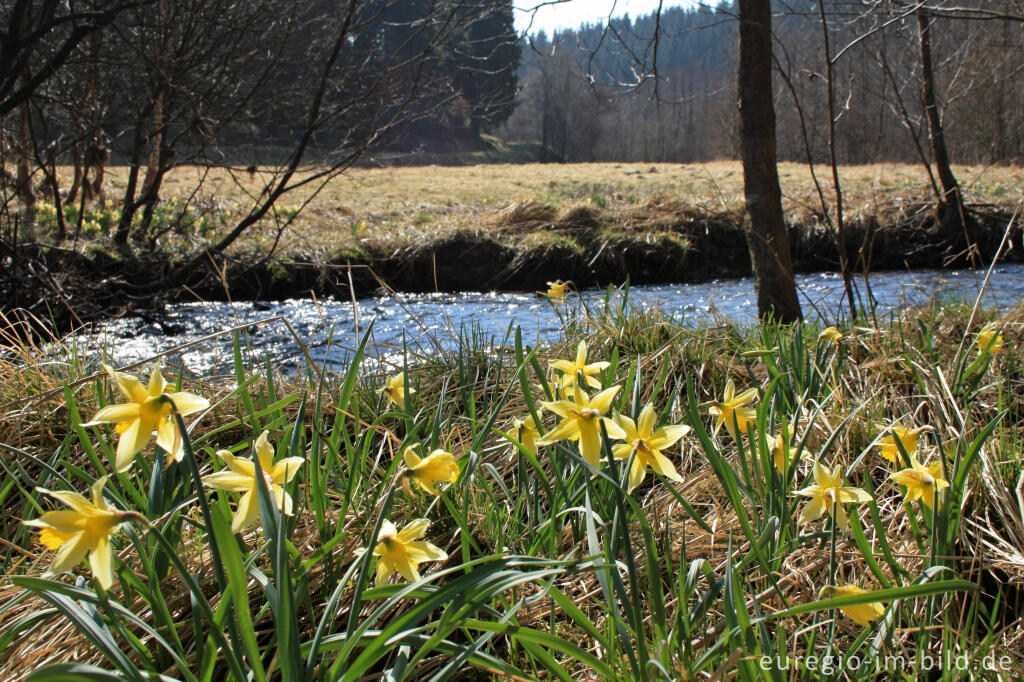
{"x":407,"y":569}
{"x":637,"y":473}
{"x":668,"y":436}
{"x":663,"y":465}
{"x":590,"y":445}
{"x":421,"y":551}
{"x":647,"y":421}
{"x":112,"y":414}
{"x":566,"y":428}
{"x":131,"y":443}
{"x":812,"y":511}
{"x":71,"y":553}
{"x":603,"y":400}
{"x":101,"y":560}
{"x":285,"y":470}
{"x":189,"y":403}
{"x":247,"y":512}
{"x":77,"y":502}
{"x":168,"y":438}
{"x":228,"y":480}
{"x":414,"y":530}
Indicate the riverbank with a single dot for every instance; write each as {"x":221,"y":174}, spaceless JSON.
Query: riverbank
{"x":502,"y":227}
{"x":551,"y":567}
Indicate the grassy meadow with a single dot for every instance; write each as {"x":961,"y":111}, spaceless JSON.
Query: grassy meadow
{"x":754,"y":502}
{"x":374,"y":210}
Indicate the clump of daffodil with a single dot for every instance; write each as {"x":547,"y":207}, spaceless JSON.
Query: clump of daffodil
{"x":403,"y":550}
{"x":889,"y":448}
{"x":733,"y":411}
{"x":148,"y":409}
{"x":437,"y":467}
{"x":922,"y":482}
{"x":862,"y":614}
{"x":827,"y":492}
{"x":556,"y":291}
{"x":527,"y":432}
{"x":989,"y":339}
{"x":240,"y":477}
{"x":830,"y":335}
{"x":570,"y":369}
{"x":581,"y":421}
{"x":85,"y":528}
{"x":648,"y":443}
{"x":394,"y":390}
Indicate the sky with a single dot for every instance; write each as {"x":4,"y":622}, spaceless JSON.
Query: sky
{"x":572,"y":13}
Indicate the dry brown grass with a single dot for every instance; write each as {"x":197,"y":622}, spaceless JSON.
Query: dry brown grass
{"x":391,"y":207}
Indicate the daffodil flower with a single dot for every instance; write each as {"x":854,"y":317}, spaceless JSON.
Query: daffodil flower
{"x":570,"y":369}
{"x":86,"y":528}
{"x":527,"y":433}
{"x":830,"y":335}
{"x":394,"y":390}
{"x":732,"y":411}
{"x":556,"y":290}
{"x":989,"y":339}
{"x":240,"y":477}
{"x":428,"y":471}
{"x":581,"y":421}
{"x":827,"y":492}
{"x":648,"y":443}
{"x":403,"y":551}
{"x":861,"y":614}
{"x":889,"y":448}
{"x":922,"y":482}
{"x":777,"y":451}
{"x":148,"y":409}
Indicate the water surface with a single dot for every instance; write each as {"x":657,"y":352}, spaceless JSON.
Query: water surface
{"x":327,"y":329}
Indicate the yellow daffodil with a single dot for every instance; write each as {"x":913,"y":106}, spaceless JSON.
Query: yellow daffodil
{"x":862,"y":614}
{"x":581,"y":421}
{"x":570,"y":369}
{"x":527,"y":433}
{"x":830,"y":335}
{"x":777,"y":451}
{"x":989,"y":339}
{"x":556,"y":290}
{"x":733,"y":411}
{"x":394,"y":390}
{"x":240,"y":477}
{"x":922,"y":482}
{"x":86,"y":528}
{"x":828,"y":491}
{"x":147,"y":410}
{"x":403,"y":551}
{"x":888,"y":447}
{"x":428,"y":471}
{"x":648,"y":443}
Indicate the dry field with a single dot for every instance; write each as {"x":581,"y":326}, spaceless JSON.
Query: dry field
{"x":405,"y":205}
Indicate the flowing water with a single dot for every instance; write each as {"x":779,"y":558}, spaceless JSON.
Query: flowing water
{"x":328,"y":330}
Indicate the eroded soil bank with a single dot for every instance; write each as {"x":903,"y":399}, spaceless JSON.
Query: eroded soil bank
{"x":532,"y":245}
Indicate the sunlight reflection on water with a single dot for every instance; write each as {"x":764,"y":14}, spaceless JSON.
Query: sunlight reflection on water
{"x":327,"y":328}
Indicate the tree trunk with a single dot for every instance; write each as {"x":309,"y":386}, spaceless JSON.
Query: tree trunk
{"x":766,"y":232}
{"x":952,"y":214}
{"x":23,"y":184}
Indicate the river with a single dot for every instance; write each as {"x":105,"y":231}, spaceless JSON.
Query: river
{"x":327,"y":329}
